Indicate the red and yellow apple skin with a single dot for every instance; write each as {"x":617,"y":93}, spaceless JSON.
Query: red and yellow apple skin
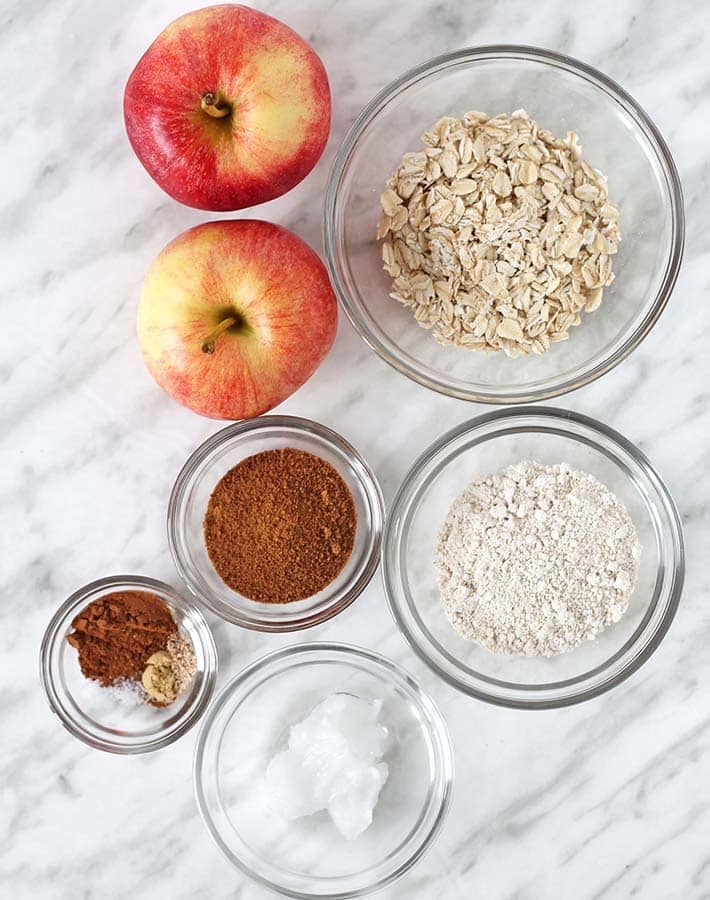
{"x":227,"y":108}
{"x":235,"y":316}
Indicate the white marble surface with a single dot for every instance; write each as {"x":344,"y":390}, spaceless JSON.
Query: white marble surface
{"x":608,"y":799}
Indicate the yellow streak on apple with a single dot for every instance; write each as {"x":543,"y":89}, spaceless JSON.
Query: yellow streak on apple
{"x":267,"y":130}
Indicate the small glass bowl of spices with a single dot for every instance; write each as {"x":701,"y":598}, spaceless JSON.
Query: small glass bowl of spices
{"x":128,"y":664}
{"x":275,"y":524}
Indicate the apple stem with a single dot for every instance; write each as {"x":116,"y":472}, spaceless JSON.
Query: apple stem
{"x":208,"y":344}
{"x":215,"y":105}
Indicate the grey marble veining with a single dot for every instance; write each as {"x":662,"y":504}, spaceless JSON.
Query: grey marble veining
{"x":610,"y":799}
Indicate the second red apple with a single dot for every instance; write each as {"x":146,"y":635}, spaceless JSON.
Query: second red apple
{"x":234,"y":316}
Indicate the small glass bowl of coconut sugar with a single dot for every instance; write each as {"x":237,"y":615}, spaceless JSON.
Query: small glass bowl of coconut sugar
{"x":326,"y":704}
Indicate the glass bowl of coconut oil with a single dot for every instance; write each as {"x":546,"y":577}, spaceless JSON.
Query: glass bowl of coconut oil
{"x":323,"y":770}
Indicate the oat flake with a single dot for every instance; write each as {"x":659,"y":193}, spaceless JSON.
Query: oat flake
{"x":497,"y":234}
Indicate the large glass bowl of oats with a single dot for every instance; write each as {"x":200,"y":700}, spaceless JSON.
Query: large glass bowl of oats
{"x":503,"y":224}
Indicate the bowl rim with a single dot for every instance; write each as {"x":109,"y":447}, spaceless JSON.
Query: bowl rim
{"x":603,"y":82}
{"x":550,"y":416}
{"x":54,"y":634}
{"x":361,"y":577}
{"x":432,"y":719}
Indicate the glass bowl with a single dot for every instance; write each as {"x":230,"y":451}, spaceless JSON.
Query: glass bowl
{"x":249,"y":723}
{"x":486,"y":445}
{"x":89,"y":712}
{"x":563,"y":95}
{"x":197,"y":480}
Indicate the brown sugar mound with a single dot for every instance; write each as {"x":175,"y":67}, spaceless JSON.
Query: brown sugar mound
{"x":280,"y":526}
{"x":116,"y":634}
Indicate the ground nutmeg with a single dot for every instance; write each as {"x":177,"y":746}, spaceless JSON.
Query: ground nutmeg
{"x":280,"y":525}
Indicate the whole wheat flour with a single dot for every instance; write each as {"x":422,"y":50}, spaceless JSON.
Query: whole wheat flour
{"x":536,"y":559}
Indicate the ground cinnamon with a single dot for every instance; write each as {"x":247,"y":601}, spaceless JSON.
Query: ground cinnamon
{"x":280,"y":526}
{"x":116,"y":634}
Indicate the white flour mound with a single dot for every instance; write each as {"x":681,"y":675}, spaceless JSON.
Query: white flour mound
{"x":536,"y":559}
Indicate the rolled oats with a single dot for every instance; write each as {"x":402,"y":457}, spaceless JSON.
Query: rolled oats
{"x":498,"y":234}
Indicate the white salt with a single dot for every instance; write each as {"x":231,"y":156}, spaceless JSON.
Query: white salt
{"x":122,"y":692}
{"x":332,"y":763}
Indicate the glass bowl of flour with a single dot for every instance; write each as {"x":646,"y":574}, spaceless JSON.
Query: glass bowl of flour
{"x":323,"y":770}
{"x":533,"y":558}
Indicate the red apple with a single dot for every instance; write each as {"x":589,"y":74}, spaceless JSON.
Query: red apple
{"x":227,"y":108}
{"x":234,"y":316}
